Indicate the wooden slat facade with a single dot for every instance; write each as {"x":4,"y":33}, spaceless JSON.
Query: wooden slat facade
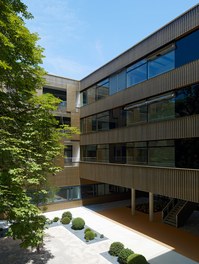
{"x":175,"y":29}
{"x":172,"y":182}
{"x":169,"y":81}
{"x":184,"y":127}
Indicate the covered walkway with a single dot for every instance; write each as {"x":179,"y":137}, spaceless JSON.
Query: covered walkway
{"x":179,"y":240}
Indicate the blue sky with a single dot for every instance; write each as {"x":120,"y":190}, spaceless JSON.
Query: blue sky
{"x":79,"y":36}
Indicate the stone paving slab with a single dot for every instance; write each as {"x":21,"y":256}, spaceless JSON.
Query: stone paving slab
{"x":62,"y":247}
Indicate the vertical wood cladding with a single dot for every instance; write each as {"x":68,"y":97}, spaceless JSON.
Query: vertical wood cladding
{"x":166,"y":82}
{"x":185,"y":23}
{"x":172,"y":182}
{"x":184,"y":127}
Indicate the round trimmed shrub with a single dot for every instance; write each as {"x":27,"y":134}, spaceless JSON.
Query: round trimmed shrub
{"x":136,"y":259}
{"x":124,"y":254}
{"x":115,"y":248}
{"x":86,"y":230}
{"x":55,"y":219}
{"x":78,"y":223}
{"x":89,"y":235}
{"x":67,"y":214}
{"x":65,"y":220}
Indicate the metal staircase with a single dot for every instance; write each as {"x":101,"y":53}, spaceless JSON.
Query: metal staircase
{"x":177,"y":212}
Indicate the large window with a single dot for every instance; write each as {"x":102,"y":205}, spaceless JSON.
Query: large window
{"x":162,"y":62}
{"x":187,"y":49}
{"x":68,"y":155}
{"x":187,"y":153}
{"x":88,"y":153}
{"x":187,"y":101}
{"x":161,"y":153}
{"x":136,"y":113}
{"x":136,"y":153}
{"x":137,"y":73}
{"x":117,"y":82}
{"x":102,"y":89}
{"x":117,"y":153}
{"x":63,"y":120}
{"x":103,"y":121}
{"x":117,"y":118}
{"x":161,"y":107}
{"x":103,"y":153}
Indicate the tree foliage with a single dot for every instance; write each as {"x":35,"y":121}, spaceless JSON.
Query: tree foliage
{"x":29,"y":139}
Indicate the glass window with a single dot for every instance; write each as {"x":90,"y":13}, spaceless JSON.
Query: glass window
{"x":63,"y":120}
{"x":187,"y":154}
{"x":102,"y":89}
{"x":61,"y":94}
{"x":117,"y":118}
{"x":68,"y":193}
{"x":161,"y":153}
{"x":187,"y":101}
{"x":136,"y":153}
{"x":117,"y":82}
{"x":137,"y":73}
{"x":161,"y":107}
{"x":103,"y":153}
{"x":88,"y":153}
{"x":68,"y":154}
{"x":83,"y":98}
{"x":117,"y":153}
{"x":83,"y":125}
{"x":161,"y":63}
{"x":103,"y":121}
{"x":187,"y":49}
{"x":91,"y":124}
{"x":136,"y":113}
{"x":91,"y":95}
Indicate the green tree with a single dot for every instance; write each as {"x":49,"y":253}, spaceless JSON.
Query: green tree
{"x":29,"y":139}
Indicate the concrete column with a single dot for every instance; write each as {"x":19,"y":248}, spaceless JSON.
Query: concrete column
{"x":133,"y":201}
{"x":151,"y":209}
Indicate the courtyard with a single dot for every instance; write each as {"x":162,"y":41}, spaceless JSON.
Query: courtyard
{"x":61,"y":246}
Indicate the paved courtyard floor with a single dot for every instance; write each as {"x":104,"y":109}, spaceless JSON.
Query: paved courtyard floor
{"x":62,"y":247}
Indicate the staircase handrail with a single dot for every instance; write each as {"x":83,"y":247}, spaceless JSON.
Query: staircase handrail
{"x":168,"y":207}
{"x":184,"y":213}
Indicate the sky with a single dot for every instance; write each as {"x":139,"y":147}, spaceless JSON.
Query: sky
{"x":79,"y":36}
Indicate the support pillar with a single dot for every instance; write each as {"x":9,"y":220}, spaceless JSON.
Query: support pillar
{"x":151,"y":207}
{"x":133,"y":201}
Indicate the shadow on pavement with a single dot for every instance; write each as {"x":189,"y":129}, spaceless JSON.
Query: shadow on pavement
{"x":11,"y":253}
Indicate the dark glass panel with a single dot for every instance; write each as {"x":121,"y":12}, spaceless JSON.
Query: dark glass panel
{"x":57,"y":93}
{"x":136,"y":113}
{"x":117,"y":118}
{"x":187,"y":153}
{"x":102,"y":89}
{"x":63,"y":120}
{"x":187,"y":49}
{"x":68,"y":154}
{"x":162,"y":107}
{"x":103,"y":153}
{"x":91,"y":124}
{"x":91,"y":95}
{"x":117,"y":153}
{"x":83,"y":98}
{"x":187,"y":101}
{"x":103,"y":121}
{"x":161,"y":153}
{"x":136,"y":153}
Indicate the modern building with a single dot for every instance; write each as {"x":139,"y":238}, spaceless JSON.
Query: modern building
{"x":139,"y":119}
